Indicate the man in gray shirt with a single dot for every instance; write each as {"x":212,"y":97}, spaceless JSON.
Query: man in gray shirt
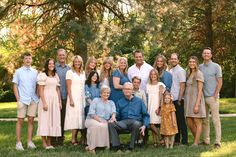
{"x":61,"y":69}
{"x":212,"y":85}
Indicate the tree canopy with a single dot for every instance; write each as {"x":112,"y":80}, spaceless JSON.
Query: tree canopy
{"x":102,"y":28}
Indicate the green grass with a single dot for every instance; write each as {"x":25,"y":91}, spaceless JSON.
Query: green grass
{"x":8,"y":109}
{"x":7,"y":144}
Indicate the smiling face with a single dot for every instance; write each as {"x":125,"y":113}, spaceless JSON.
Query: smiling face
{"x":153,"y":76}
{"x":160,"y":62}
{"x":27,"y":60}
{"x":122,"y":64}
{"x":107,"y":66}
{"x":61,"y":56}
{"x":206,"y":55}
{"x":105,"y":94}
{"x":94,"y":77}
{"x":128,"y":90}
{"x":174,"y":60}
{"x":51,"y":65}
{"x":136,"y":84}
{"x":167,"y":99}
{"x":192,"y":63}
{"x":77,"y":63}
{"x":138,"y":58}
{"x":92,"y":64}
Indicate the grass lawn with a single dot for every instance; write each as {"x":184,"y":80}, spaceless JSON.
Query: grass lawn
{"x":7,"y":145}
{"x":8,"y":109}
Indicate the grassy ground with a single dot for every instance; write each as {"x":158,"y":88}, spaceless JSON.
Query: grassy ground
{"x":8,"y":109}
{"x":7,"y":138}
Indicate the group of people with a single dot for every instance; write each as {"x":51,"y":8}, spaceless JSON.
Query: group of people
{"x":104,"y":103}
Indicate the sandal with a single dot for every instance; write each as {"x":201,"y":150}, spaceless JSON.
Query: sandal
{"x":75,"y":143}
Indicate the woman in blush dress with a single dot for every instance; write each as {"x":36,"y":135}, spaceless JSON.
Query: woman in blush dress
{"x":49,"y":118}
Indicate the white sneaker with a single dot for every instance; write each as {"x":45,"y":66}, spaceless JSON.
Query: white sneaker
{"x":19,"y":146}
{"x":31,"y":145}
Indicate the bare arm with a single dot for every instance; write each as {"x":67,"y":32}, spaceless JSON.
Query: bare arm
{"x":116,"y":83}
{"x":218,"y":87}
{"x":199,"y":96}
{"x":42,"y":97}
{"x":181,"y":90}
{"x":59,"y":96}
{"x":68,"y":85}
{"x":173,"y":117}
{"x":16,"y":92}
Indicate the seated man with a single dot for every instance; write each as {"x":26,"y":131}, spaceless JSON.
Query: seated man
{"x":132,"y":115}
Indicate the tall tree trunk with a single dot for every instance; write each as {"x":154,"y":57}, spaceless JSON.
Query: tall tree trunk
{"x":208,"y":24}
{"x":80,"y":46}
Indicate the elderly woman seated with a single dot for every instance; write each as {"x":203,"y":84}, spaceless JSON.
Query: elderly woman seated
{"x":100,"y":113}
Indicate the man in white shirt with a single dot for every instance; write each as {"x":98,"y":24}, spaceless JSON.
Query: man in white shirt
{"x":177,"y":90}
{"x":140,"y":69}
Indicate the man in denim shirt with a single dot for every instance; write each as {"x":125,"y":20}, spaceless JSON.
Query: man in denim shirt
{"x":61,"y":69}
{"x":132,"y":116}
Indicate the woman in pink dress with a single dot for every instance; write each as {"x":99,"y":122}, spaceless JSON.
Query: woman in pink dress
{"x":49,"y":123}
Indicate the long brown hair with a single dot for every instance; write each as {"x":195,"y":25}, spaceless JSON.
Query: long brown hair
{"x":87,"y":68}
{"x":46,"y":70}
{"x":156,"y":72}
{"x":103,"y":72}
{"x":160,"y":70}
{"x":189,"y":71}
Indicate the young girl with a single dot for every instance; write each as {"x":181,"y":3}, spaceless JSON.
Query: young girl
{"x":91,"y":65}
{"x":168,"y":120}
{"x":106,"y":71}
{"x":92,"y":89}
{"x":49,"y":105}
{"x":154,"y":92}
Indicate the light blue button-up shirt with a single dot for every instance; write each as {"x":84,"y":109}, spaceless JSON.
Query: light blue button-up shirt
{"x":211,"y":72}
{"x":26,"y":80}
{"x":61,"y":71}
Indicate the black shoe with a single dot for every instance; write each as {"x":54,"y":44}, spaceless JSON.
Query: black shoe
{"x":217,"y":146}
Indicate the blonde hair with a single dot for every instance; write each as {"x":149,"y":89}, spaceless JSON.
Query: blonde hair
{"x":82,"y":63}
{"x":87,"y":68}
{"x":157,"y":74}
{"x":103,"y":71}
{"x":118,"y":64}
{"x":160,"y":70}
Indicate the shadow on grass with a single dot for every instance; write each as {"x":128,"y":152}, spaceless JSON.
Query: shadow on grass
{"x":7,"y":145}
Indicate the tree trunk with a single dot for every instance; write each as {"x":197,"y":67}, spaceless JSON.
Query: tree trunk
{"x":208,"y":24}
{"x":79,"y":11}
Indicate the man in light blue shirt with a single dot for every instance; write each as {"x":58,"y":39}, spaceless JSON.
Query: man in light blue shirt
{"x":61,"y":69}
{"x":212,"y":85}
{"x":25,"y":81}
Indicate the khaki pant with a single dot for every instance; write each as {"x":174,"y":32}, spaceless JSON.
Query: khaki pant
{"x":213,"y":105}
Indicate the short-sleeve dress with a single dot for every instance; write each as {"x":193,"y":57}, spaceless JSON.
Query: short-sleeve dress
{"x":190,"y":98}
{"x":167,"y":127}
{"x":154,"y":102}
{"x":49,"y":122}
{"x":75,"y":116}
{"x":117,"y":94}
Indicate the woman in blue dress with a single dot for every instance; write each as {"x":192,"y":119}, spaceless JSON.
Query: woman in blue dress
{"x":161,"y":66}
{"x":118,"y":78}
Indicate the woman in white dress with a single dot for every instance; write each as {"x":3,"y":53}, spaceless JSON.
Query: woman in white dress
{"x":155,"y":89}
{"x":75,"y":80}
{"x":49,"y":123}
